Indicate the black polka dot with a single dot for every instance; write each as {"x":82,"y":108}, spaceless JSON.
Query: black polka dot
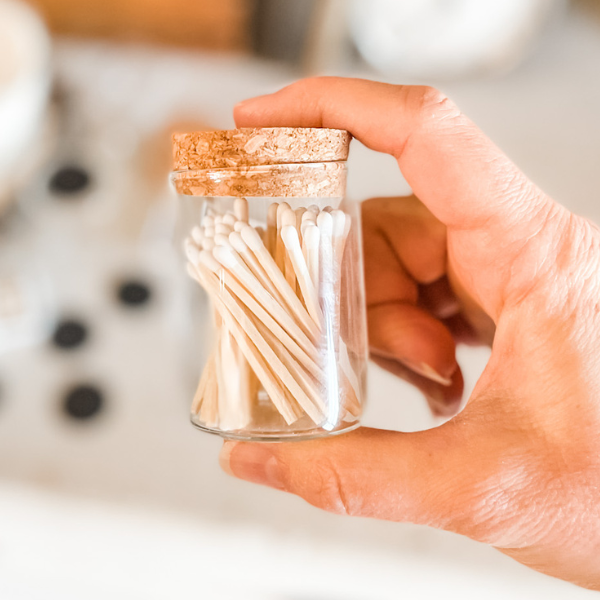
{"x":83,"y":402}
{"x":69,"y":334}
{"x":69,"y":180}
{"x":134,"y":293}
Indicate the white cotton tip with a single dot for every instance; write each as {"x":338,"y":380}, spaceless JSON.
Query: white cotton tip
{"x":208,"y":260}
{"x":339,"y":222}
{"x":229,"y":219}
{"x":197,"y":235}
{"x":222,"y":240}
{"x":281,"y":208}
{"x":237,"y":242}
{"x":225,"y":256}
{"x":311,"y":237}
{"x":240,"y":208}
{"x":252,"y":239}
{"x":289,"y":236}
{"x":288,"y":218}
{"x":209,"y":232}
{"x":306,"y":226}
{"x":208,"y":243}
{"x":328,"y":209}
{"x":223,"y":229}
{"x":272,"y":215}
{"x":208,"y":221}
{"x":347,"y":225}
{"x":238,"y":226}
{"x":309,"y":216}
{"x":218,"y":219}
{"x":325,"y":223}
{"x":313,"y":208}
{"x":191,"y":251}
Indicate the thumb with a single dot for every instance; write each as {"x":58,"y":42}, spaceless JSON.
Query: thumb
{"x":451,"y":166}
{"x":430,"y":477}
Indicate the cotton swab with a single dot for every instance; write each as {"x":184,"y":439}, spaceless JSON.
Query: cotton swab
{"x":255,"y":244}
{"x":289,"y":235}
{"x":240,"y":209}
{"x":312,"y":236}
{"x":277,"y":307}
{"x":229,"y":219}
{"x":297,"y":342}
{"x":265,"y":352}
{"x":223,"y":229}
{"x":237,"y":242}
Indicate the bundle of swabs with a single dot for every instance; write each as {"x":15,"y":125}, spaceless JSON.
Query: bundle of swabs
{"x":276,"y":297}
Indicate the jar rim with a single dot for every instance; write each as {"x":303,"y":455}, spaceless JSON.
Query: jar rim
{"x":290,"y":180}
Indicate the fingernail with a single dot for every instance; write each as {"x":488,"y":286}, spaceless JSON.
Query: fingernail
{"x":425,"y":370}
{"x":254,"y":462}
{"x":248,"y":101}
{"x":440,"y":408}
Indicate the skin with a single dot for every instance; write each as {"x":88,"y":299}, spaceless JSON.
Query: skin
{"x":483,"y":256}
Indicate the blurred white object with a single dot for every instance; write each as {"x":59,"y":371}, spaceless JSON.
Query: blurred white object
{"x":24,"y":86}
{"x":442,"y":39}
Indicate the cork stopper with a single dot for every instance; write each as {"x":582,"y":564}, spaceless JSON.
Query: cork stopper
{"x":261,"y":162}
{"x":259,"y":146}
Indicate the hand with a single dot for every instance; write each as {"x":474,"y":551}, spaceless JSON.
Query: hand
{"x":519,"y":467}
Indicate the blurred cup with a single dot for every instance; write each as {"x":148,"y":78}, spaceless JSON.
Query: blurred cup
{"x":24,"y":90}
{"x":441,"y":40}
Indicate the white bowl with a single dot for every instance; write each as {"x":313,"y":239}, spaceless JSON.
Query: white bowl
{"x":24,"y":87}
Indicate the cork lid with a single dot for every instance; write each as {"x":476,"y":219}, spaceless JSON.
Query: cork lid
{"x":259,"y":146}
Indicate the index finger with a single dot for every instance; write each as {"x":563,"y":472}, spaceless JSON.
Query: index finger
{"x":451,"y":166}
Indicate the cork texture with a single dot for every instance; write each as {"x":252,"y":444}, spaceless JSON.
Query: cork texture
{"x":259,"y":146}
{"x":320,"y":180}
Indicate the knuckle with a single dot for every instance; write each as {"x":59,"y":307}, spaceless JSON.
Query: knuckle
{"x":329,"y":491}
{"x":429,"y":105}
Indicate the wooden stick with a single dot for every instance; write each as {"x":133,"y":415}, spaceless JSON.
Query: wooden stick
{"x":208,"y":413}
{"x":289,"y":235}
{"x":279,"y":249}
{"x":238,"y":244}
{"x":240,"y":209}
{"x":312,"y":388}
{"x":271,"y":242}
{"x":252,"y":293}
{"x":200,"y":390}
{"x":258,"y":353}
{"x":255,"y":244}
{"x":234,"y":412}
{"x":288,"y":219}
{"x":303,"y":349}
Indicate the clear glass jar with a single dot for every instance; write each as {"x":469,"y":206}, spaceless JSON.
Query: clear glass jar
{"x":277,"y":250}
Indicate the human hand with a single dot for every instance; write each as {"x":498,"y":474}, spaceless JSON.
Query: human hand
{"x":519,"y":467}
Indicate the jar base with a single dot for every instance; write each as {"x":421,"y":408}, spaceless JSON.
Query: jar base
{"x":277,"y":436}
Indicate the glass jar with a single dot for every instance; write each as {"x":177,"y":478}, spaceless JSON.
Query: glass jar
{"x":268,"y":236}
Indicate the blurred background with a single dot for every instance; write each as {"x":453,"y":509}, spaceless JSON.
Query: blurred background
{"x":106,"y":490}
